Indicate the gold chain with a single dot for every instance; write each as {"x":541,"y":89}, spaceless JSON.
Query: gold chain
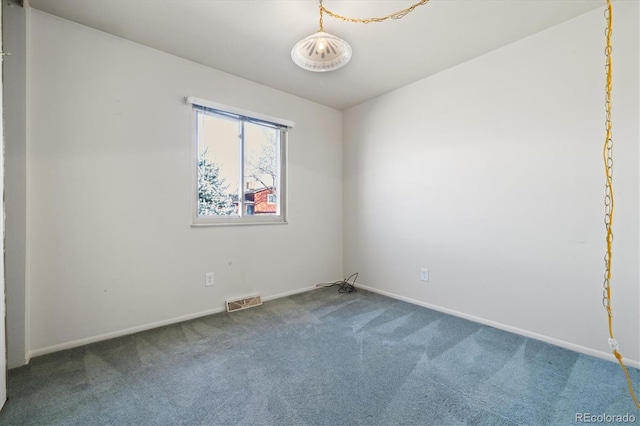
{"x":608,"y":198}
{"x":608,"y":165}
{"x":396,"y":15}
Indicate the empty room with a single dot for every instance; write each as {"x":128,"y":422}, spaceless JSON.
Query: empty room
{"x":337,"y":212}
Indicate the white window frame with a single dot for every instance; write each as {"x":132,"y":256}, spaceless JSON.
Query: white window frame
{"x":281,"y":151}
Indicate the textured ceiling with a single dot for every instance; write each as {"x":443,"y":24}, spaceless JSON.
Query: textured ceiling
{"x":253,"y":38}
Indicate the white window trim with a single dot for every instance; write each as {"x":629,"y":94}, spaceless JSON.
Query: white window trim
{"x":239,"y":111}
{"x":278,"y":219}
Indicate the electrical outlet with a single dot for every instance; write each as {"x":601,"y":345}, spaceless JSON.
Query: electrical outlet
{"x":209,"y":279}
{"x":424,"y":274}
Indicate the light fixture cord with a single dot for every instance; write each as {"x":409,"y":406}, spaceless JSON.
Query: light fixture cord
{"x":396,"y":15}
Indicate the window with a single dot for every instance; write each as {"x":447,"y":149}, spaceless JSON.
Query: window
{"x":240,"y":166}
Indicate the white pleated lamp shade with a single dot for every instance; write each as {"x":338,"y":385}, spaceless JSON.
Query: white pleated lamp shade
{"x":321,"y":52}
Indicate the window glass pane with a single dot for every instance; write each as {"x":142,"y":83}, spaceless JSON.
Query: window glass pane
{"x":218,"y":166}
{"x":240,"y":178}
{"x":260,"y":169}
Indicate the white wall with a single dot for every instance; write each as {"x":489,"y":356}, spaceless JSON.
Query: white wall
{"x":14,"y":21}
{"x":3,"y":340}
{"x":490,"y":174}
{"x":111,"y":248}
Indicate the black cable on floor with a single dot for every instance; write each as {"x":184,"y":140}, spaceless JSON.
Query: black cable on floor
{"x":344,"y":286}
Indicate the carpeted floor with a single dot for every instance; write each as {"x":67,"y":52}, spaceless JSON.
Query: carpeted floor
{"x":318,"y":358}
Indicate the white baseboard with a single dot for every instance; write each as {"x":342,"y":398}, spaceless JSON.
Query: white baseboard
{"x":25,"y":361}
{"x":149,"y":326}
{"x":561,"y":343}
{"x":288,"y":293}
{"x":119,"y":333}
{"x":557,"y":342}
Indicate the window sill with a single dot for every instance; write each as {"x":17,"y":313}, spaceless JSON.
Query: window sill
{"x":238,"y":223}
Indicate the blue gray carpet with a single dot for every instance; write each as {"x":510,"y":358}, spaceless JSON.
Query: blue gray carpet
{"x":319,"y":358}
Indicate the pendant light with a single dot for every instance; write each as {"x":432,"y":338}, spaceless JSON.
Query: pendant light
{"x":321,"y":51}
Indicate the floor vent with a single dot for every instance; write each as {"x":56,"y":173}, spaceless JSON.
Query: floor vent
{"x":244,"y":303}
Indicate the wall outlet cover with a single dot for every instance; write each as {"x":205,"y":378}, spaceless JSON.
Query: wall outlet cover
{"x":209,"y":279}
